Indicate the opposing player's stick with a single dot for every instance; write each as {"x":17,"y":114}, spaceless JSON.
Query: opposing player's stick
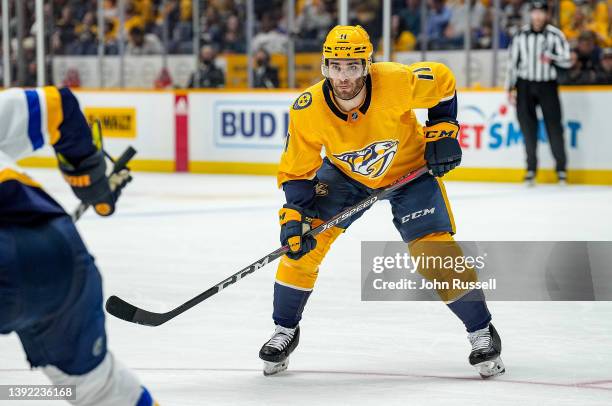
{"x":118,"y":165}
{"x":128,"y":312}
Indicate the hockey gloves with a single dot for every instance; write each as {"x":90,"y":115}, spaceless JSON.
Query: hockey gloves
{"x":295,"y":222}
{"x":442,"y":150}
{"x":90,"y":184}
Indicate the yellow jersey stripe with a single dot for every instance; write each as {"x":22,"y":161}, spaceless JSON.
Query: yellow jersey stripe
{"x":448,"y":207}
{"x":55,"y":115}
{"x":7,"y":174}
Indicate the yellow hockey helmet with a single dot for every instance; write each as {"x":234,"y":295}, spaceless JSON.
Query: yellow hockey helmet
{"x":347,"y":42}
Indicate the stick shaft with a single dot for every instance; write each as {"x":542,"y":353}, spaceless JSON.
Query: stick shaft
{"x":123,"y":310}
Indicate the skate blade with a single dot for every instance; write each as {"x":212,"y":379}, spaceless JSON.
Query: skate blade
{"x":273,"y":368}
{"x":491,"y":368}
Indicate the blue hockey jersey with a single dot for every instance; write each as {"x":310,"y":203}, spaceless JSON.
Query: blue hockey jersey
{"x":30,"y":119}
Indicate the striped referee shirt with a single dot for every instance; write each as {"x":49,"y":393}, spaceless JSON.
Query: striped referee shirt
{"x":529,"y":52}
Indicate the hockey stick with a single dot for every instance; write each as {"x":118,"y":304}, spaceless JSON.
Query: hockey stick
{"x":119,"y":165}
{"x":128,"y":312}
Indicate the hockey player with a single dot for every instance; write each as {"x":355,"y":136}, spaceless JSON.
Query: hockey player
{"x":361,"y":113}
{"x":50,"y":288}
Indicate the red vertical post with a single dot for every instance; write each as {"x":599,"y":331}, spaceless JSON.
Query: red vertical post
{"x":181,"y":120}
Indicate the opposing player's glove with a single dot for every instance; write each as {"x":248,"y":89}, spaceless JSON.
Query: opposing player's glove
{"x":442,"y":150}
{"x":295,"y":222}
{"x":89,"y":182}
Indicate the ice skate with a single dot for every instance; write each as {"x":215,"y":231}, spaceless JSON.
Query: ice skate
{"x":486,"y":351}
{"x":562,"y":178}
{"x":530,"y":178}
{"x":275,"y":352}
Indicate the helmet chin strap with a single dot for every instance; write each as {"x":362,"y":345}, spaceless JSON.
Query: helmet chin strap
{"x":363,"y":81}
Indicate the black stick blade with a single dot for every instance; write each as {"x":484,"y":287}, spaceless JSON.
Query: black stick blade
{"x":128,"y":312}
{"x":121,"y":309}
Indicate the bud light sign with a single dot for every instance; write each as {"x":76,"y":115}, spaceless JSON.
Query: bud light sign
{"x":257,"y":124}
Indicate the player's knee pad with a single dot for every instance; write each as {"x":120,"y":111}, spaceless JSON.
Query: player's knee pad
{"x":108,"y":384}
{"x":302,"y":273}
{"x":443,"y":261}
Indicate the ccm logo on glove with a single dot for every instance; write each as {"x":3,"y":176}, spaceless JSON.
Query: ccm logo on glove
{"x":443,"y":129}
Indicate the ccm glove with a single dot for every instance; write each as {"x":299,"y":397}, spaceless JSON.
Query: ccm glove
{"x":295,"y":222}
{"x":442,"y":150}
{"x":89,"y":182}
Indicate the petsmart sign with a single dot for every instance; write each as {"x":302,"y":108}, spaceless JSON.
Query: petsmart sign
{"x":119,"y":122}
{"x":251,"y":124}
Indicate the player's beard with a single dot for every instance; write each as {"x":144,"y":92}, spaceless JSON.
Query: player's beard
{"x":350,"y":90}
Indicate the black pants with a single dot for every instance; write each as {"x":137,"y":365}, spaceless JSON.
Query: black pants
{"x":528,"y":96}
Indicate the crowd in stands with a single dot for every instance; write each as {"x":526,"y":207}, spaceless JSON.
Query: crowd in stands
{"x":587,"y":26}
{"x":154,"y":26}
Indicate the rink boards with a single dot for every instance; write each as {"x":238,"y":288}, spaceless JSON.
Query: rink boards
{"x":209,"y":131}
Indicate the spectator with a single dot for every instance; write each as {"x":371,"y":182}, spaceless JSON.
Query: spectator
{"x":227,"y":8}
{"x":600,"y":18}
{"x":269,"y":37}
{"x":588,"y":52}
{"x":454,"y":32}
{"x":208,"y":74}
{"x":584,"y":15}
{"x":110,"y":9}
{"x":212,"y":27}
{"x":314,"y":21}
{"x":144,"y":8}
{"x":604,"y":77}
{"x":411,"y":17}
{"x":484,"y":34}
{"x":578,"y":24}
{"x":111,"y":45}
{"x":437,"y":21}
{"x":567,"y":9}
{"x":29,"y":51}
{"x":180,"y":39}
{"x":170,"y":10}
{"x":367,"y":17}
{"x":65,"y":30}
{"x":402,"y":39}
{"x":132,"y":19}
{"x":143,"y":44}
{"x":567,"y":77}
{"x":233,"y":38}
{"x":265,"y":76}
{"x":586,"y":68}
{"x":85,"y":43}
{"x":185,"y":9}
{"x":514,"y":15}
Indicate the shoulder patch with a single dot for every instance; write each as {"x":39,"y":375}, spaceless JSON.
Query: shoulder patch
{"x":303,"y":101}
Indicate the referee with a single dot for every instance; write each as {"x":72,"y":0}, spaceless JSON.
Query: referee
{"x":536,"y":52}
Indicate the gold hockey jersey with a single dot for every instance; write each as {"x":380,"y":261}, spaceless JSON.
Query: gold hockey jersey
{"x":376,"y":143}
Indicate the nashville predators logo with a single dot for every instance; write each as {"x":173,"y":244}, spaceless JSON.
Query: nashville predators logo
{"x":321,"y":189}
{"x":302,"y":101}
{"x":373,"y":160}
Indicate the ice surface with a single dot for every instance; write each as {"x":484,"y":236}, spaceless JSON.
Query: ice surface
{"x":176,"y":235}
